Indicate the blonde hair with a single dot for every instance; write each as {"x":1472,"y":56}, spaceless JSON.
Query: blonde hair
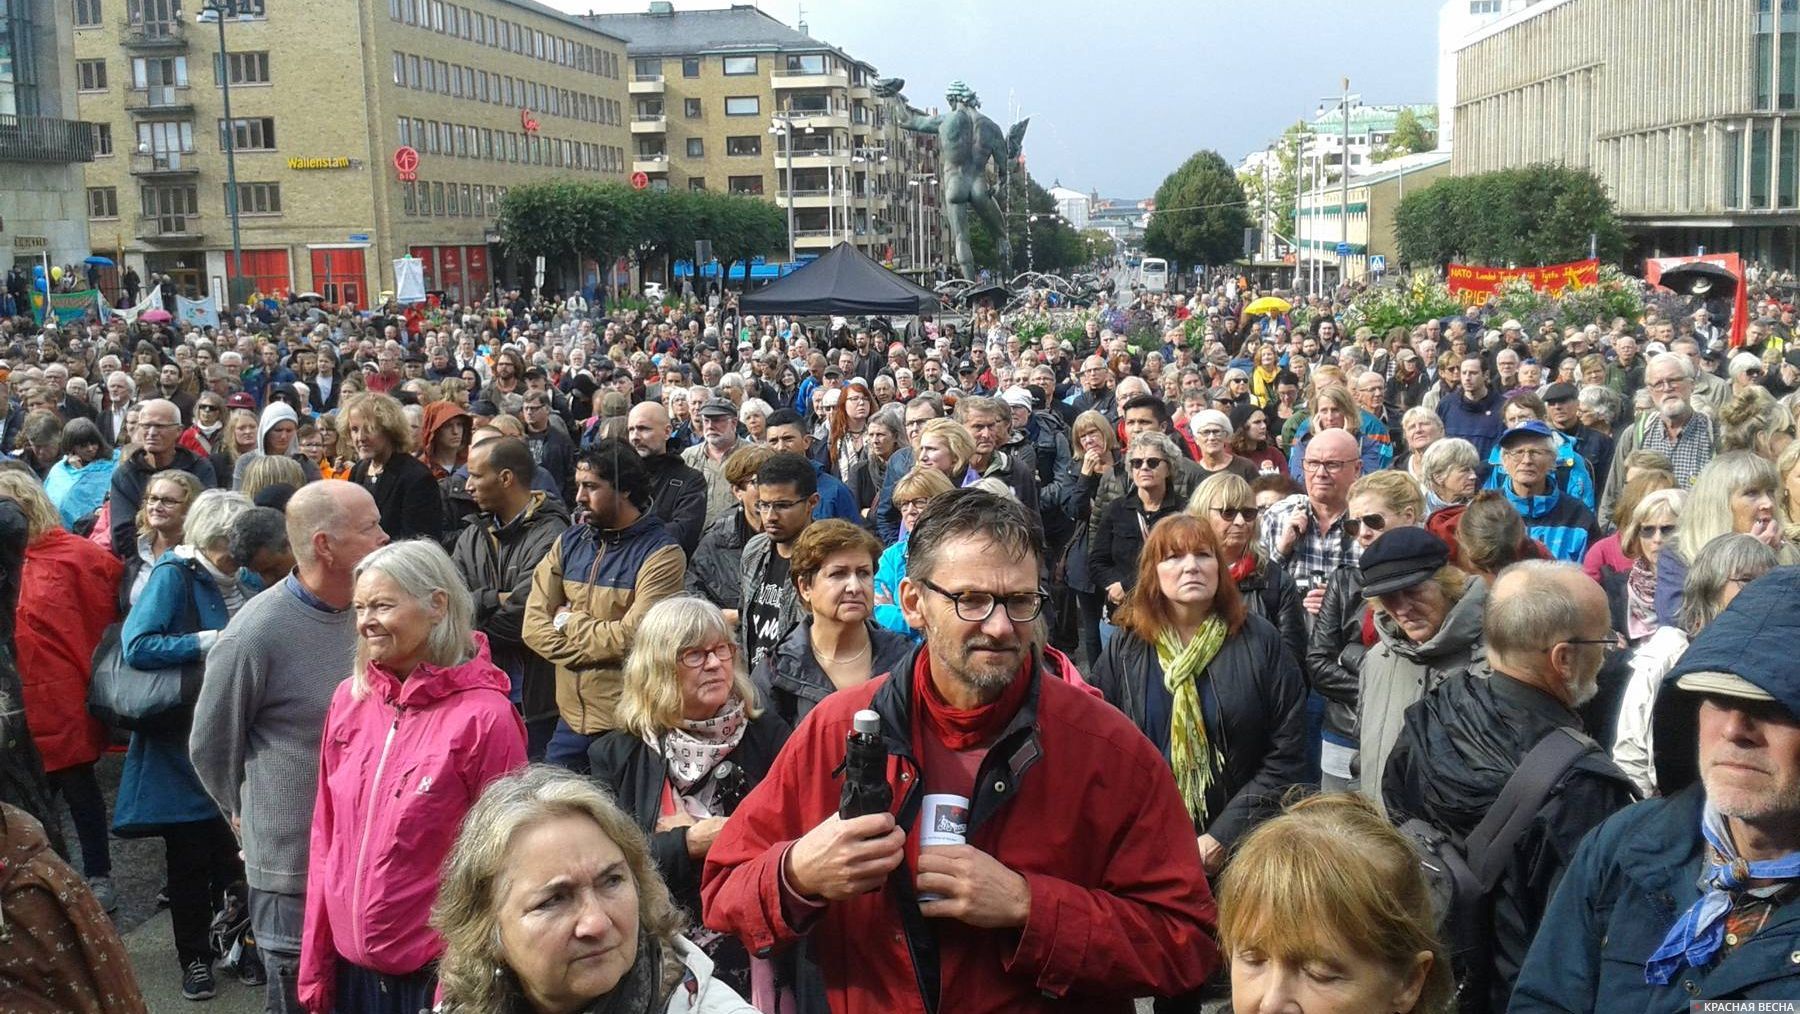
{"x":473,"y":974}
{"x":189,"y":483}
{"x":210,"y":516}
{"x":1396,"y":490}
{"x":267,"y":470}
{"x":422,"y":569}
{"x":1092,"y":420}
{"x":956,"y":439}
{"x":921,"y":482}
{"x":384,"y":413}
{"x":650,"y":699}
{"x":1665,"y":501}
{"x":24,"y":489}
{"x":1330,"y":872}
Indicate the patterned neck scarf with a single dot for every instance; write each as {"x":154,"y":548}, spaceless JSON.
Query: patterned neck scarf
{"x":1640,"y":601}
{"x":695,"y":747}
{"x":1696,"y":937}
{"x":1195,"y":760}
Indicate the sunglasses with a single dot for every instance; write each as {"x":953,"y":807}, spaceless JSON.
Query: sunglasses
{"x":1238,"y":513}
{"x":1145,"y":463}
{"x":1659,"y":530}
{"x":1353,"y":526}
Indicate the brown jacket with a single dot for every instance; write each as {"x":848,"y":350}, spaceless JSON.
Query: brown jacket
{"x":58,"y":951}
{"x":607,"y":579}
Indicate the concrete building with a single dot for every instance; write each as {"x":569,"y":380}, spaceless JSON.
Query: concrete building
{"x":1457,"y":20}
{"x":1369,"y":231}
{"x":1699,"y":145}
{"x":42,"y":146}
{"x":362,"y":132}
{"x":1371,"y":128}
{"x":715,"y":96}
{"x":1071,"y":204}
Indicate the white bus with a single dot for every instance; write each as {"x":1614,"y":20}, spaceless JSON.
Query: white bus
{"x":1153,"y":273}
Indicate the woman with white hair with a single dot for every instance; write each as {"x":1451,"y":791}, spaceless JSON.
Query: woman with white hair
{"x":754,"y":414}
{"x":1737,"y":492}
{"x":1451,"y":470}
{"x":551,"y":903}
{"x":1212,"y":434}
{"x":411,"y":738}
{"x":191,"y":593}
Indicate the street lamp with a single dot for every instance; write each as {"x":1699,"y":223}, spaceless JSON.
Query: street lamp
{"x":216,"y":11}
{"x":921,"y":242}
{"x":877,"y":155}
{"x":783,"y":125}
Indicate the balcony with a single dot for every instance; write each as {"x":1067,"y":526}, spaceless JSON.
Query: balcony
{"x":788,"y":79}
{"x":164,"y":163}
{"x":861,"y":91}
{"x":170,"y":35}
{"x":645,"y":84}
{"x":814,"y":239}
{"x":815,"y":158}
{"x":650,"y":163}
{"x":45,"y":139}
{"x":818,"y":119}
{"x":808,"y":197}
{"x":183,"y":230}
{"x":159,"y":100}
{"x":647,"y":123}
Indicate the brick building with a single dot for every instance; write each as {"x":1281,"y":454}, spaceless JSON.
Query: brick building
{"x":324,"y":95}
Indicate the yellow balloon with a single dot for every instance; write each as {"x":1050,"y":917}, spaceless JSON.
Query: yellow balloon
{"x":56,"y":274}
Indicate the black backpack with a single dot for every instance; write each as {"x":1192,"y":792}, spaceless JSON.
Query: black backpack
{"x":1461,"y":876}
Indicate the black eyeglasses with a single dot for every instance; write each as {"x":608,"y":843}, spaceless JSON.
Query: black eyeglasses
{"x":977,"y":606}
{"x":1150,"y":463}
{"x":1238,"y":513}
{"x":1376,"y":523}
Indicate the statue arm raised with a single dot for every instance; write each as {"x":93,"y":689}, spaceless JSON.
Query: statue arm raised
{"x":921,"y":124}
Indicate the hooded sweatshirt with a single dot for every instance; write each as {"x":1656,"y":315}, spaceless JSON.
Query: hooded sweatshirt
{"x":276,"y":413}
{"x":398,"y":771}
{"x":437,"y":415}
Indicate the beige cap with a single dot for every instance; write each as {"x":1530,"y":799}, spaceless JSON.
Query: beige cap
{"x":1723,"y":684}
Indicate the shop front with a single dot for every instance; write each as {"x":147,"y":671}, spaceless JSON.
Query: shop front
{"x":461,"y":273}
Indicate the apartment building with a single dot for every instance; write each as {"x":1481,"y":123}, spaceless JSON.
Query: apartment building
{"x":735,"y":100}
{"x":42,"y":146}
{"x":360,"y":132}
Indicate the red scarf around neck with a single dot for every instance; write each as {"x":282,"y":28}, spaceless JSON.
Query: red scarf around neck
{"x":1243,"y":567}
{"x":961,"y":729}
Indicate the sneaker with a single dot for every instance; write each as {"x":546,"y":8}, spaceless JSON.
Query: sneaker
{"x":197,"y":982}
{"x":104,"y":893}
{"x":250,"y":969}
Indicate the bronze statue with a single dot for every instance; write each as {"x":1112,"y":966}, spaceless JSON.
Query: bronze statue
{"x":966,"y":140}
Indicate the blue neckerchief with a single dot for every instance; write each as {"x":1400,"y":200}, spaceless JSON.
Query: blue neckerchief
{"x":1695,"y":938}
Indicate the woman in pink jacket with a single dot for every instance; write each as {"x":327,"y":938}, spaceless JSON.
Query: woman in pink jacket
{"x":411,"y":739}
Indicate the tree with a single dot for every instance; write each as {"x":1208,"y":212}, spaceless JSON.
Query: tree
{"x":1041,"y":238}
{"x":741,"y":228}
{"x":564,"y":220}
{"x":1199,"y":218}
{"x":1529,"y":216}
{"x":1410,"y":136}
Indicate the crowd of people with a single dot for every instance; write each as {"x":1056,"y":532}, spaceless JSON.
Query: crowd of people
{"x":519,"y":645}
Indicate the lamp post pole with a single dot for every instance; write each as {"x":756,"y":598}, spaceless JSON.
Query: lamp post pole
{"x":219,"y":9}
{"x":784,"y":125}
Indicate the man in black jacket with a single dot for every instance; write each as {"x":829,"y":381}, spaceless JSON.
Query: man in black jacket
{"x":1547,"y":630}
{"x":679,"y":492}
{"x":496,"y":554}
{"x":159,"y":424}
{"x":550,"y":447}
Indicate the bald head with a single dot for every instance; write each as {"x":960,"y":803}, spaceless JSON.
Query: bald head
{"x":1539,"y":613}
{"x":319,"y":517}
{"x":647,"y":428}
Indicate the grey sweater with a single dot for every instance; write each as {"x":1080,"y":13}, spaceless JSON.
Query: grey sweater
{"x":257,"y":725}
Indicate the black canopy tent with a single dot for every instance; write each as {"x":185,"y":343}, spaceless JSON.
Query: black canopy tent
{"x":843,"y":281}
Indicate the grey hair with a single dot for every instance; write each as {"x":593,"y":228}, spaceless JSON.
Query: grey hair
{"x":1446,"y":454}
{"x":1600,"y":401}
{"x":1538,"y":612}
{"x":1418,"y":412}
{"x":1158,"y":442}
{"x":754,"y":406}
{"x":210,"y":517}
{"x":1729,"y":557}
{"x":473,"y":973}
{"x":891,"y":419}
{"x":1708,"y":513}
{"x":256,"y":530}
{"x":130,"y":384}
{"x":1001,"y":521}
{"x":1674,"y":359}
{"x":986,"y":406}
{"x":650,"y":697}
{"x":422,"y":570}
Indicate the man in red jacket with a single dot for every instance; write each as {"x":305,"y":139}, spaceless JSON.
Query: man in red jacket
{"x":1076,"y":888}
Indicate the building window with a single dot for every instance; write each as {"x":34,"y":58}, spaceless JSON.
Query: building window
{"x":810,"y":63}
{"x":696,"y":147}
{"x":1759,"y":167}
{"x":103,"y":202}
{"x":745,"y":185}
{"x":159,"y":72}
{"x":1787,"y":180}
{"x":250,"y":134}
{"x":91,"y":74}
{"x":437,"y":199}
{"x":102,"y":139}
{"x":690,"y":108}
{"x":737,"y":66}
{"x":253,"y":68}
{"x":259,"y":198}
{"x":163,"y":137}
{"x":743,"y":105}
{"x":409,"y":203}
{"x":748,"y":144}
{"x":170,"y":204}
{"x":690,"y":67}
{"x":87,"y":15}
{"x":1484,"y":7}
{"x":696,"y":183}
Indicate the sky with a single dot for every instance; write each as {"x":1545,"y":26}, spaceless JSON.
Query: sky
{"x":1121,"y":93}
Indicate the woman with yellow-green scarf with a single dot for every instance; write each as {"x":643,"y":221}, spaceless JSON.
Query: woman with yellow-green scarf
{"x":1263,"y":377}
{"x":1212,"y":686}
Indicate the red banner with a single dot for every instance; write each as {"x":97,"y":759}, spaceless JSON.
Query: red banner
{"x":1475,"y":284}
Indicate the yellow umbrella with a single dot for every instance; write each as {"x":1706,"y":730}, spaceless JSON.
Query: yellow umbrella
{"x":1267,"y":305}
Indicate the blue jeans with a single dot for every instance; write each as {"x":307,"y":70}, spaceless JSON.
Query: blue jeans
{"x":568,"y":748}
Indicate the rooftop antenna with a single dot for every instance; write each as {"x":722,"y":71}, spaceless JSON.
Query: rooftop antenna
{"x":800,"y":17}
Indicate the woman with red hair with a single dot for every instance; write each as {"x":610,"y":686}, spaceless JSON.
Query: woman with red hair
{"x":1211,"y":685}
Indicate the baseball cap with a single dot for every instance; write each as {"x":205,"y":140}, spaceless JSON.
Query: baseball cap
{"x":1530,"y":427}
{"x":966,"y":366}
{"x":1400,"y":559}
{"x":242,"y":399}
{"x":1017,"y":397}
{"x":1511,"y":325}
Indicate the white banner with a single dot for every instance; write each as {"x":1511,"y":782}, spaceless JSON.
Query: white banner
{"x":152,"y":300}
{"x":409,"y":280}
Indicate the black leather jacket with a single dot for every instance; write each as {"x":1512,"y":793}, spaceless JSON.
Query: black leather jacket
{"x":1334,"y":650}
